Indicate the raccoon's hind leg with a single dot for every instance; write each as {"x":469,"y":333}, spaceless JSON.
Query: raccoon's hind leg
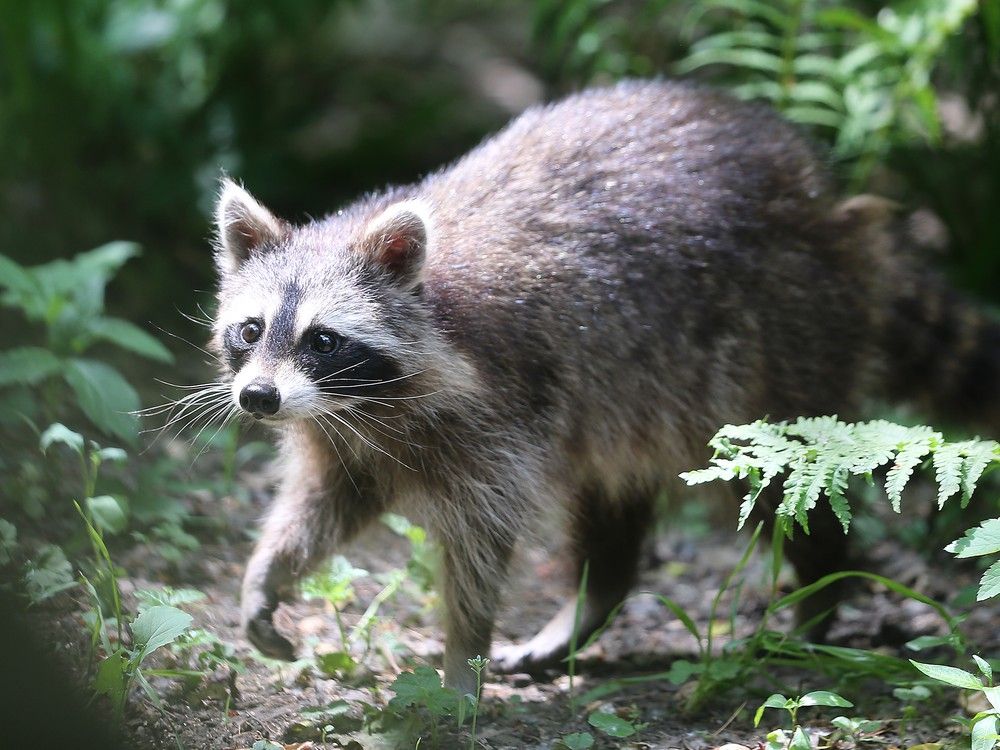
{"x":302,"y":527}
{"x":824,"y":550}
{"x":606,"y":534}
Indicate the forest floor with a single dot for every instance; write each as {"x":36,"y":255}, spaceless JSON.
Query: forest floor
{"x":279,"y":702}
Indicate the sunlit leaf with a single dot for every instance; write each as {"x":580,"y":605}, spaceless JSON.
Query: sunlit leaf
{"x":949,"y":675}
{"x":158,"y":626}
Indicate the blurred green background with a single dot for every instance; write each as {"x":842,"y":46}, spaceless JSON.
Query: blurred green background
{"x":118,"y":116}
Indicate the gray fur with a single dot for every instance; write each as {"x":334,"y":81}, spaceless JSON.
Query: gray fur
{"x":579,"y":304}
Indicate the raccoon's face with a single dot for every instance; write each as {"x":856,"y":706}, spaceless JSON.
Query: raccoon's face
{"x":317,"y":319}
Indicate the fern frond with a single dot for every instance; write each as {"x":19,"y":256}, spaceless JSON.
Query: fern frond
{"x":818,"y":455}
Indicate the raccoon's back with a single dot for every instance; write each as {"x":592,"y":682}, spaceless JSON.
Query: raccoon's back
{"x":650,"y":241}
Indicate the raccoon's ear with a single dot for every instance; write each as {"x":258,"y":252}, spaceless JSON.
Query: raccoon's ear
{"x":243,"y":226}
{"x":396,"y":241}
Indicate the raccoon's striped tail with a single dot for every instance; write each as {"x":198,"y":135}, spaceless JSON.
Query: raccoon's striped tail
{"x":944,"y":354}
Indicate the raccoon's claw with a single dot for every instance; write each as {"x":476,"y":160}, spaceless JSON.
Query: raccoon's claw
{"x":262,"y":634}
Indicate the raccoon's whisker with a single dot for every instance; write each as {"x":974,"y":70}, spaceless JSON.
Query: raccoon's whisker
{"x":370,"y":383}
{"x":366,"y":441}
{"x":325,"y":378}
{"x":171,"y":406}
{"x":189,"y":343}
{"x":226,"y":417}
{"x":359,"y":412}
{"x":185,"y":404}
{"x":392,"y":398}
{"x":220,"y":411}
{"x":324,"y":418}
{"x":354,"y":397}
{"x":371,"y":422}
{"x":195,"y":412}
{"x":333,"y":444}
{"x":214,"y":384}
{"x":205,"y":322}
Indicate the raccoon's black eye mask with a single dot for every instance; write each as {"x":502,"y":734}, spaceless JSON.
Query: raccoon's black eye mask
{"x":337,"y":364}
{"x":351,"y":367}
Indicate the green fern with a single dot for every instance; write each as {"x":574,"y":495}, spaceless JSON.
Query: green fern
{"x":820,"y":454}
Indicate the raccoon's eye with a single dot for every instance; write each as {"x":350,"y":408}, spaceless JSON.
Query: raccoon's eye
{"x":250,"y":332}
{"x":323,"y":342}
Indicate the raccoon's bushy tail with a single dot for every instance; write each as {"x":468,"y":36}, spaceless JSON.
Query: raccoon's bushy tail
{"x":943,"y":353}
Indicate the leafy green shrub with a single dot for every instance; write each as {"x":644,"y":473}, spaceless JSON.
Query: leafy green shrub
{"x":66,"y":297}
{"x":868,"y":80}
{"x":861,"y":76}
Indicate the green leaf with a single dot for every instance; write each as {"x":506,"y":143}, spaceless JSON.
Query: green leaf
{"x":105,"y":397}
{"x":824,"y":698}
{"x":422,"y":688}
{"x":157,"y":627}
{"x":17,"y":278}
{"x":981,"y":540}
{"x":739,"y":57}
{"x":800,"y":740}
{"x":116,"y":455}
{"x":27,"y":365}
{"x":60,"y":433}
{"x":106,"y":259}
{"x":775,"y":700}
{"x":948,"y":467}
{"x":110,"y":679}
{"x":984,"y":733}
{"x":333,"y":582}
{"x":107,"y":513}
{"x":8,"y":542}
{"x":611,"y":724}
{"x":949,"y":675}
{"x":578,"y":740}
{"x":336,"y":663}
{"x":129,"y":336}
{"x":984,"y":667}
{"x":989,"y":584}
{"x":993,"y":696}
{"x":48,"y":574}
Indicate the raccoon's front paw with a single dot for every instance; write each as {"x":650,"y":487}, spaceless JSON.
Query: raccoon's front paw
{"x":262,"y":634}
{"x":258,"y":624}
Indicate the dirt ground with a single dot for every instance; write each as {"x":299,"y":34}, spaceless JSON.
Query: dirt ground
{"x":266,"y":701}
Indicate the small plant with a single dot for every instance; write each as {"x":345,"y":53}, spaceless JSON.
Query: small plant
{"x":983,"y":725}
{"x":855,"y":730}
{"x":478,"y":664}
{"x":67,"y":298}
{"x":333,"y":583}
{"x":110,"y":514}
{"x":614,"y":725}
{"x":797,"y":739}
{"x":421,"y":704}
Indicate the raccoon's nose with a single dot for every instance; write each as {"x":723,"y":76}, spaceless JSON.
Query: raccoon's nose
{"x":260,"y":398}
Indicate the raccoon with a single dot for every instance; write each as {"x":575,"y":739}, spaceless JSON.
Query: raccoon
{"x":558,"y":322}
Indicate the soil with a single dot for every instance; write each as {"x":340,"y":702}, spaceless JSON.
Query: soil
{"x":230,"y":710}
